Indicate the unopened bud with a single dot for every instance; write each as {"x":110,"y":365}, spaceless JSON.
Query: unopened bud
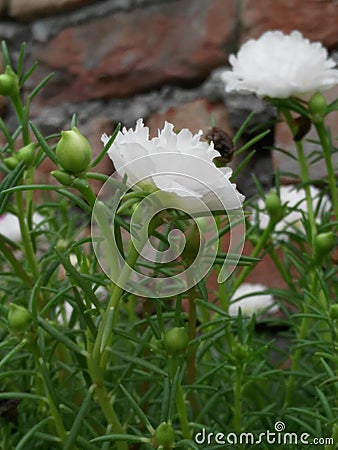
{"x":323,"y":245}
{"x":9,"y":85}
{"x":73,"y":151}
{"x":19,"y":318}
{"x":317,"y":106}
{"x":334,"y":312}
{"x":273,"y":206}
{"x":176,"y":341}
{"x":11,"y":162}
{"x":164,"y":435}
{"x":26,"y":154}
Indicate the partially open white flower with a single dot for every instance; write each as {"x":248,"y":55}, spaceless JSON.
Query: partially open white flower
{"x":10,"y":227}
{"x":179,"y":164}
{"x":251,"y":299}
{"x":280,"y":66}
{"x":295,"y":200}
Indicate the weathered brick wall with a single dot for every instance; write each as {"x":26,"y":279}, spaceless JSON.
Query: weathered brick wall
{"x":118,"y":60}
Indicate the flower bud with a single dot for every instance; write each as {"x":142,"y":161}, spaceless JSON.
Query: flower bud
{"x":9,"y":85}
{"x":62,"y":177}
{"x":273,"y":206}
{"x":164,"y":435}
{"x":73,"y":151}
{"x":26,"y":154}
{"x":19,"y":318}
{"x":176,"y":341}
{"x":334,"y":312}
{"x":11,"y":162}
{"x":317,"y":106}
{"x":323,"y":245}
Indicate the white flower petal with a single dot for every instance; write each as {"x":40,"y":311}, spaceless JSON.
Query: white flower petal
{"x":280,"y":66}
{"x":179,"y":164}
{"x":251,"y":299}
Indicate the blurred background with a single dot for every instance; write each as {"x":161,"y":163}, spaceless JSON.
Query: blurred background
{"x":119,"y":60}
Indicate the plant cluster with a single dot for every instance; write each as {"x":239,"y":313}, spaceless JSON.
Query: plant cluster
{"x":108,"y":340}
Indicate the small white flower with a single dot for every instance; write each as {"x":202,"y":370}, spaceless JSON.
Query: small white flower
{"x":251,"y":299}
{"x":295,"y":200}
{"x":10,"y":227}
{"x":178,"y":164}
{"x":280,"y":66}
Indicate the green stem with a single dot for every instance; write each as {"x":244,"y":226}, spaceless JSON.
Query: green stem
{"x":110,"y":415}
{"x":17,"y":266}
{"x":26,"y":240}
{"x":180,"y":399}
{"x":192,"y":321}
{"x":238,"y":391}
{"x":98,"y":358}
{"x":255,"y":252}
{"x":304,"y":172}
{"x":322,"y":134}
{"x":281,"y":269}
{"x":22,"y":117}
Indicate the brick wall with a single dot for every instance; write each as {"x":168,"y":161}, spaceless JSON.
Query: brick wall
{"x":118,"y":60}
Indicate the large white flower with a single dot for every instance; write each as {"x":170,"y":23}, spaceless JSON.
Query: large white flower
{"x":177,"y":164}
{"x":252,"y":299}
{"x":295,"y":200}
{"x":280,"y":66}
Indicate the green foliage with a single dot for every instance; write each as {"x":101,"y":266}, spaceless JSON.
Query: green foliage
{"x":86,"y":365}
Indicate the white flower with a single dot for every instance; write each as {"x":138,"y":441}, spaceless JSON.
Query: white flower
{"x":252,"y":300}
{"x":295,"y":200}
{"x":280,"y":66}
{"x":178,"y":164}
{"x":10,"y":227}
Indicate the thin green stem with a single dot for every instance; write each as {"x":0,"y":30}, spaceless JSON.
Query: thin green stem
{"x":281,"y":269}
{"x":255,"y":253}
{"x":17,"y":266}
{"x":238,"y":391}
{"x":192,"y":322}
{"x":180,"y":399}
{"x":26,"y":239}
{"x":322,"y":134}
{"x":110,"y":415}
{"x":304,"y":173}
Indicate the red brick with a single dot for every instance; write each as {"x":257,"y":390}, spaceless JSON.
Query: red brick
{"x":195,"y":116}
{"x":316,"y":19}
{"x":126,"y":53}
{"x":25,"y":10}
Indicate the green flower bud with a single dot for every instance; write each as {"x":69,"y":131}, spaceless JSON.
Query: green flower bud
{"x":164,"y":435}
{"x":73,"y":151}
{"x":63,"y":177}
{"x":323,"y":245}
{"x":9,"y":85}
{"x":19,"y":318}
{"x":317,"y":106}
{"x":240,"y":352}
{"x":11,"y":162}
{"x":26,"y":154}
{"x":273,"y":206}
{"x":176,"y":341}
{"x":334,"y":312}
